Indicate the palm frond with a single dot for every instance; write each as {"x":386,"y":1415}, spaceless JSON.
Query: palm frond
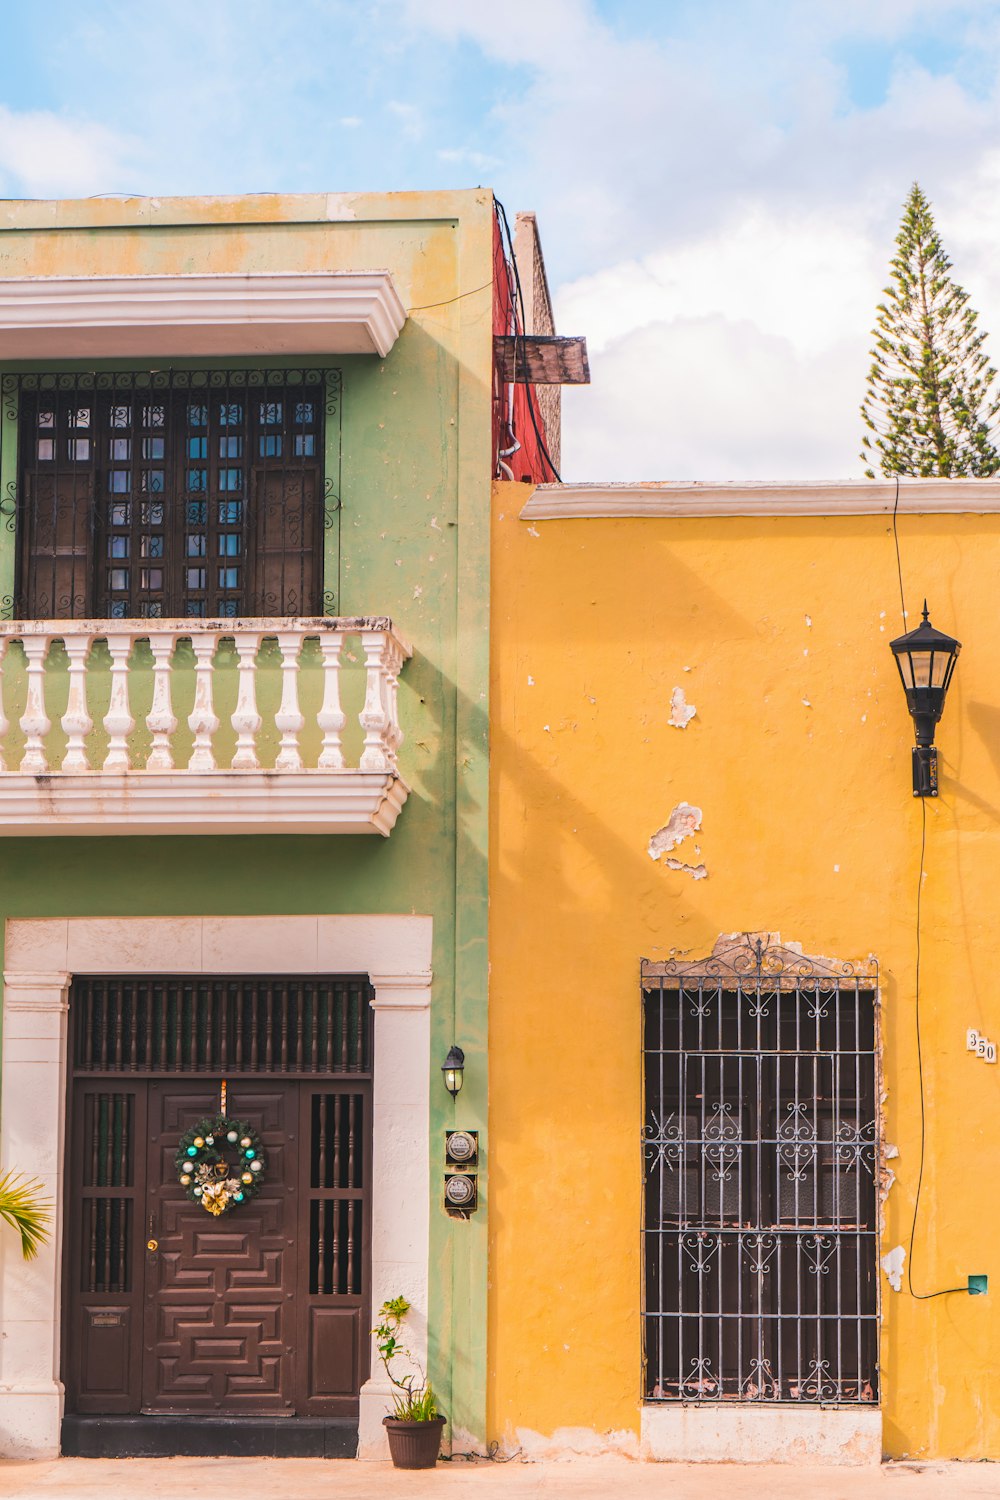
{"x":23,"y":1207}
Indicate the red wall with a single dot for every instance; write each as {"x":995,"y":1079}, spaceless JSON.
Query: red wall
{"x":528,"y":462}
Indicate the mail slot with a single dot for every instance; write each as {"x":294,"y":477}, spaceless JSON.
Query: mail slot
{"x":101,"y":1319}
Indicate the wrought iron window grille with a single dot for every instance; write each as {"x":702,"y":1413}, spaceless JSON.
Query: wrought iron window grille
{"x":760,"y":1154}
{"x":169,"y":493}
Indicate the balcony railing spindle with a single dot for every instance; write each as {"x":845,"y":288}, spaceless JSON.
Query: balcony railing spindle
{"x":118,"y":720}
{"x":289,"y":719}
{"x":76,"y":721}
{"x":34,"y":721}
{"x":4,"y":721}
{"x":331,"y":717}
{"x":374,"y":716}
{"x":161,"y":719}
{"x":245,"y":719}
{"x":202,"y":720}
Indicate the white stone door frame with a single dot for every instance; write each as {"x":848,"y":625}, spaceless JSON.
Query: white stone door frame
{"x":41,"y":957}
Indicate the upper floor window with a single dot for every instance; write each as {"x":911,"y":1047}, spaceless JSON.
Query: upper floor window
{"x":170,"y":494}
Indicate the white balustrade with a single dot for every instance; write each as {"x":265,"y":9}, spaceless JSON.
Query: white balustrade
{"x":31,"y":687}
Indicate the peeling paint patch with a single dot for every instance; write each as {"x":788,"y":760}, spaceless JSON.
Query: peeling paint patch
{"x":681,"y":711}
{"x":890,"y":1152}
{"x":684,"y":821}
{"x":892,"y":1265}
{"x":571,"y":1442}
{"x":697,"y":872}
{"x":340,"y":207}
{"x":465,"y":1442}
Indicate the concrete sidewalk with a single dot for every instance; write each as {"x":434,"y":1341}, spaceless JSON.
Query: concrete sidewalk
{"x":581,"y":1479}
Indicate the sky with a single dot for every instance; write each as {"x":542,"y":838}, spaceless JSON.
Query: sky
{"x":718,"y":183}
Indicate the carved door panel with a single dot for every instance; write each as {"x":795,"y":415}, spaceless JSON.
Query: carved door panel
{"x":265,"y":1310}
{"x":220,"y":1292}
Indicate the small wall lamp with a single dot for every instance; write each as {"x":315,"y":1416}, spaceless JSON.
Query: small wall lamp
{"x":926,"y":660}
{"x":454,"y":1071}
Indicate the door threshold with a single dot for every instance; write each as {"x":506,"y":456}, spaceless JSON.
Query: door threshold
{"x":208,"y":1437}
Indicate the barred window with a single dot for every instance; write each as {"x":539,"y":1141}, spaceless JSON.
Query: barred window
{"x":176,"y":494}
{"x":759,"y":1154}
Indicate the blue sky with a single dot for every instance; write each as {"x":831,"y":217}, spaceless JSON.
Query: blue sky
{"x":717,"y":183}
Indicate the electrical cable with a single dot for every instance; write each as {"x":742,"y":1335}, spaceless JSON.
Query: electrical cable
{"x":945,"y":1291}
{"x":542,"y":448}
{"x":423,"y":307}
{"x":899,"y":566}
{"x":921,"y":1296}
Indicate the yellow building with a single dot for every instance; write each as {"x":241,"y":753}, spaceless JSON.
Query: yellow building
{"x":699,"y":734}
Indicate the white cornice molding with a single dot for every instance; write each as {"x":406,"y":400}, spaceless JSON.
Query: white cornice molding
{"x":185,"y":802}
{"x":67,"y":317}
{"x":847,"y":497}
{"x":401,"y":991}
{"x":25,"y":990}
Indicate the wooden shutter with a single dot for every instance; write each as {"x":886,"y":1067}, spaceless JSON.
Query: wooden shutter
{"x":287,"y":540}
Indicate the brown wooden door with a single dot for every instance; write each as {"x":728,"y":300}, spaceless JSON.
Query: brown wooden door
{"x":219,"y":1314}
{"x":263,"y":1311}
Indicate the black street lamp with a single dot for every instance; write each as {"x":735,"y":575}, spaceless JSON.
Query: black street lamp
{"x":926,"y":660}
{"x":454,"y":1071}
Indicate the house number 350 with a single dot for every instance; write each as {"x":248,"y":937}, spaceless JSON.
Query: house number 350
{"x":980,"y":1046}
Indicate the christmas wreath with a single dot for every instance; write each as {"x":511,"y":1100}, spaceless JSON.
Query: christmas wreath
{"x":205,"y":1170}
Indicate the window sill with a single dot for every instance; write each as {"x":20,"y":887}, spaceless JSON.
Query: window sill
{"x":751,"y":1433}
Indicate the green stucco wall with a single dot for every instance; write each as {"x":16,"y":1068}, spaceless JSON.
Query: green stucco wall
{"x":413,"y":537}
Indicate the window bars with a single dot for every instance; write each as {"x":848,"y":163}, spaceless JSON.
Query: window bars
{"x":171,"y":493}
{"x":760,"y":1148}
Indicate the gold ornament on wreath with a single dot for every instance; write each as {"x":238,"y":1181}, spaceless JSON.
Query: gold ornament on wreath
{"x":220,"y":1163}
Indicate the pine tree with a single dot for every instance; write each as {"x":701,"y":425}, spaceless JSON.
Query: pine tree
{"x":931,"y":402}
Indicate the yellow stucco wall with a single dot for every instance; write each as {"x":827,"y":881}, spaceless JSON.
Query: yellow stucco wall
{"x":799,"y":756}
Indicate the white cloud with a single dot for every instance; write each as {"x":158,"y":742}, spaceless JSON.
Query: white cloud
{"x":718,"y":209}
{"x":712,"y":398}
{"x":464,"y":156}
{"x":728,"y":211}
{"x":410,"y":118}
{"x":775,"y":270}
{"x":44,"y":155}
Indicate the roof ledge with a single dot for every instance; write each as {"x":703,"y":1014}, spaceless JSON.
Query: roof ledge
{"x":98,"y":317}
{"x":845,"y":497}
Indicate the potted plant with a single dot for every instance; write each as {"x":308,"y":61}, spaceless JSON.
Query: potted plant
{"x":24,"y":1209}
{"x":415,"y":1425}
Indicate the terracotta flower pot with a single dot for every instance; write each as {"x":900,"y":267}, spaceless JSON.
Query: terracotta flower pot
{"x":414,"y":1445}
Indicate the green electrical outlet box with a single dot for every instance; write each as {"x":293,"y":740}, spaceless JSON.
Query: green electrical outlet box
{"x":978,"y":1286}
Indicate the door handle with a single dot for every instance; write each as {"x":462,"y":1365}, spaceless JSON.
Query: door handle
{"x":152,"y":1244}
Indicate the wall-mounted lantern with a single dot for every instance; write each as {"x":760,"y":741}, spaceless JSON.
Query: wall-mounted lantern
{"x":926,"y":660}
{"x":454,"y":1071}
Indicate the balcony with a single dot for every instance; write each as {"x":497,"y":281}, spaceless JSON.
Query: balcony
{"x":192,"y":727}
